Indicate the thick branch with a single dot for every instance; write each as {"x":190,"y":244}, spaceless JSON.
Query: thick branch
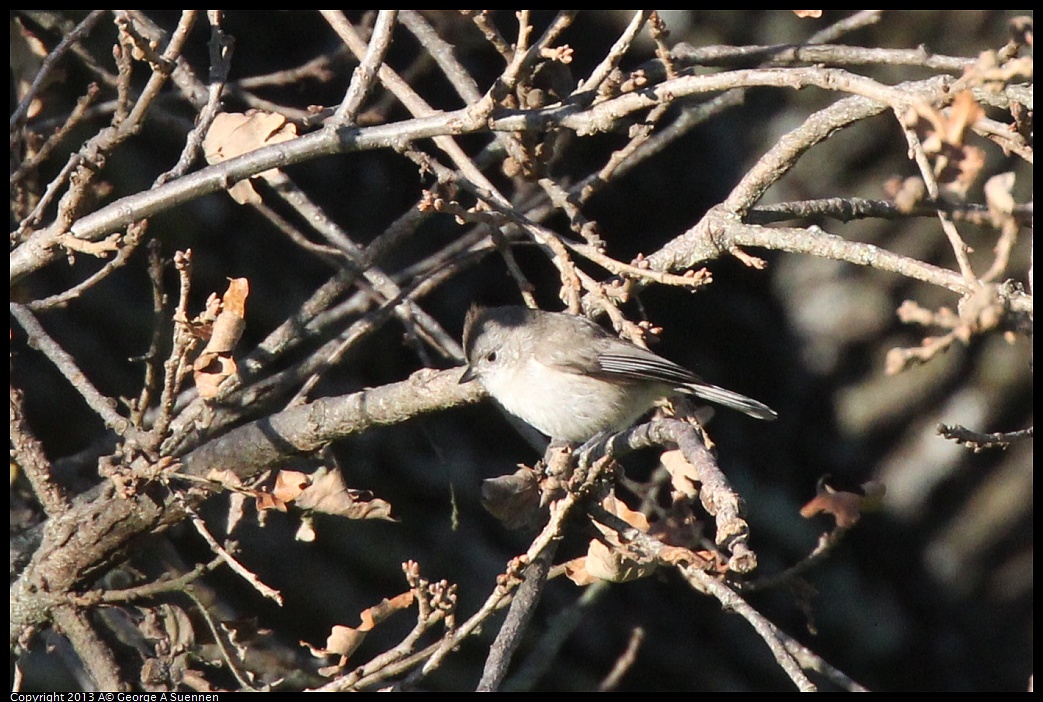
{"x":90,"y":534}
{"x":253,"y":447}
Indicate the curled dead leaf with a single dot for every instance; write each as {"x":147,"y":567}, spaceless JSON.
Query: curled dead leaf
{"x":576,"y":571}
{"x":616,"y":563}
{"x":328,"y":494}
{"x":846,"y":507}
{"x":513,"y":499}
{"x":230,"y":322}
{"x":371,"y":616}
{"x":209,"y":371}
{"x":946,"y":128}
{"x":683,"y":476}
{"x":215,"y":363}
{"x":266,"y":500}
{"x":616,"y":506}
{"x":608,"y":558}
{"x":942,"y":134}
{"x":289,"y":484}
{"x":344,"y":640}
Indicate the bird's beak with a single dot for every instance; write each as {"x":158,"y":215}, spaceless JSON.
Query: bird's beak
{"x":468,"y":375}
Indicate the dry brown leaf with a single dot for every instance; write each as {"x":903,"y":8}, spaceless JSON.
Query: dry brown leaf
{"x":329,"y":495}
{"x":947,"y":130}
{"x":576,"y":571}
{"x":942,"y":135}
{"x":209,"y":371}
{"x":266,"y":500}
{"x":615,"y":563}
{"x":289,"y":484}
{"x":215,"y":363}
{"x":233,"y":134}
{"x":230,"y":322}
{"x":616,"y":506}
{"x":846,"y":507}
{"x":513,"y":499}
{"x":344,"y":640}
{"x":372,"y":616}
{"x":683,"y":476}
{"x":608,"y":558}
{"x":965,"y":111}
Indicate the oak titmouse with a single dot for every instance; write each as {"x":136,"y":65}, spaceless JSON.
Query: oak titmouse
{"x":571,"y":379}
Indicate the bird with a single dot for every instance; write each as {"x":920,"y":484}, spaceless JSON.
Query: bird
{"x":571,"y":379}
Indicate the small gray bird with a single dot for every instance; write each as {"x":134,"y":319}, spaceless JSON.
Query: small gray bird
{"x":571,"y":379}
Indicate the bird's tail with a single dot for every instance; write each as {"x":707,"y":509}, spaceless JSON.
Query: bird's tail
{"x":734,"y":400}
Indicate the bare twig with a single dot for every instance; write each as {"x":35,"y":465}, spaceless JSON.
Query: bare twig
{"x":49,"y":63}
{"x":66,"y":365}
{"x":365,"y":75}
{"x":732,"y":602}
{"x":220,"y":64}
{"x":520,"y":613}
{"x":28,"y":454}
{"x":979,"y":441}
{"x":233,"y":563}
{"x":625,"y":661}
{"x":615,"y":54}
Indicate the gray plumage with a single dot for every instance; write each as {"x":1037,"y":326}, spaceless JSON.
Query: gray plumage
{"x":571,"y":379}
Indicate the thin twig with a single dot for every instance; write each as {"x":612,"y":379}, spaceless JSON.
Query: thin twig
{"x":732,"y":602}
{"x":81,"y":30}
{"x":625,"y":661}
{"x":979,"y":441}
{"x":959,"y":247}
{"x":520,"y":613}
{"x":365,"y":75}
{"x":27,"y":453}
{"x":237,"y":567}
{"x":66,"y":365}
{"x":220,"y":64}
{"x":615,"y":53}
{"x":165,"y":584}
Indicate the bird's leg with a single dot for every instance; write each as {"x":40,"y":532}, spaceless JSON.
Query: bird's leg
{"x":587,"y":450}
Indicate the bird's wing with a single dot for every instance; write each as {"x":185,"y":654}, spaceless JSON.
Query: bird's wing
{"x":641,"y":364}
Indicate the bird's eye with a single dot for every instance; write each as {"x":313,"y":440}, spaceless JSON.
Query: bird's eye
{"x":491,"y":357}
